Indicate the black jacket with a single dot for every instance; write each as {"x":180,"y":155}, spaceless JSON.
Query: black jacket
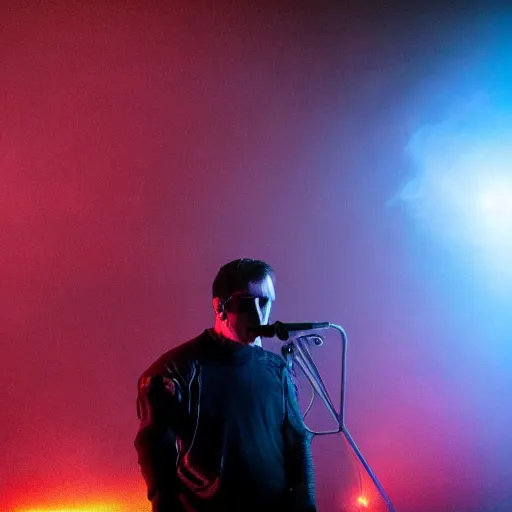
{"x":221,"y":430}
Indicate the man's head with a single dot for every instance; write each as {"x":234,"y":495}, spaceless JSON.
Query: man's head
{"x":243,"y":293}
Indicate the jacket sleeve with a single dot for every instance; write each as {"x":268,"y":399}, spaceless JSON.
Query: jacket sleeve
{"x":156,"y":442}
{"x":299,"y":459}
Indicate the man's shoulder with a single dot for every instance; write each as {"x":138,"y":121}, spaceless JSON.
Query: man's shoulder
{"x":179,"y":356}
{"x":271,"y":356}
{"x":273,"y":361}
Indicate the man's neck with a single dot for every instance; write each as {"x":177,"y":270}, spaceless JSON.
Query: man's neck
{"x":219,"y":332}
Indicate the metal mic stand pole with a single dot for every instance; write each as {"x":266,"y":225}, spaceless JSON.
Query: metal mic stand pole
{"x":298,"y":351}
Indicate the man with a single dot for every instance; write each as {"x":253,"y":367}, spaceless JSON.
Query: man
{"x":220,"y":427}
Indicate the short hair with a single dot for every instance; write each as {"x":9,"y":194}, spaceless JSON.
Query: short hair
{"x":237,"y":274}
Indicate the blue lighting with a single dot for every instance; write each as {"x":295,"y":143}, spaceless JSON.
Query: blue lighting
{"x":461,"y":187}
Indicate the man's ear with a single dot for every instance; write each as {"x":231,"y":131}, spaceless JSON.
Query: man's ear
{"x":218,"y":307}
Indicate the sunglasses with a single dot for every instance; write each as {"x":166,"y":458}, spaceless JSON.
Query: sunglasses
{"x":244,"y":303}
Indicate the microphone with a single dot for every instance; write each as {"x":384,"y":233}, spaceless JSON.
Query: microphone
{"x":282,"y":330}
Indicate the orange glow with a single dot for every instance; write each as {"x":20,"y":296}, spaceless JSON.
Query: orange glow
{"x":128,"y":496}
{"x":86,"y":508}
{"x":362,"y":501}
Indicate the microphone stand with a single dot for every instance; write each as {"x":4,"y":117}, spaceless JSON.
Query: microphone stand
{"x":297,"y":350}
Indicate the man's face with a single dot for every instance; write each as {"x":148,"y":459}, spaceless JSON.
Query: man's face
{"x":248,"y":308}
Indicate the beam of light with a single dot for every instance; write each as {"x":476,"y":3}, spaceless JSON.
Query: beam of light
{"x":461,"y":188}
{"x":496,"y":206}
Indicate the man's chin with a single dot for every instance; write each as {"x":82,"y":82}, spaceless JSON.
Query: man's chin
{"x":248,"y":338}
{"x":243,"y":338}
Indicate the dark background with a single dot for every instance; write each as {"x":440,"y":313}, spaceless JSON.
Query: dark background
{"x":143,"y":144}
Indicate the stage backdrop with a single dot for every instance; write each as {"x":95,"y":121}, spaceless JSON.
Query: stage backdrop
{"x":144,"y":144}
